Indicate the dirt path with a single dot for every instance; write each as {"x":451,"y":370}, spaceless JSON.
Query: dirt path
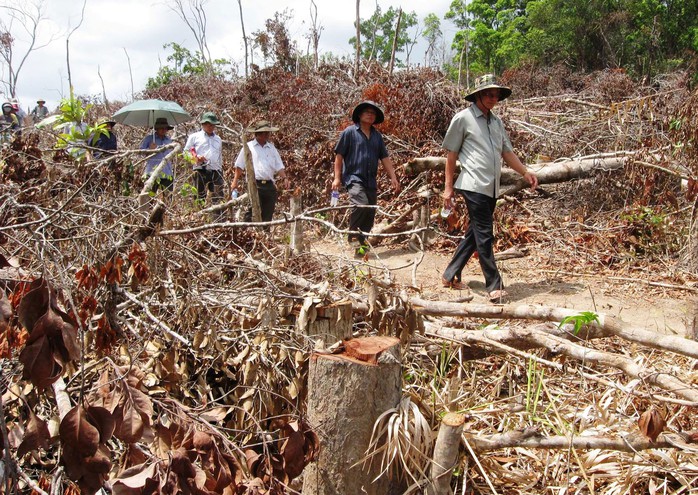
{"x":653,"y":308}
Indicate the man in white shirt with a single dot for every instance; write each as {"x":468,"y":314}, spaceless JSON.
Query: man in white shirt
{"x":267,"y":167}
{"x":206,"y":148}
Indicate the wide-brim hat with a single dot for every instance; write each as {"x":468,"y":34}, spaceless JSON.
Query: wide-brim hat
{"x":356,"y":114}
{"x":105,"y":122}
{"x":487,"y":81}
{"x":162,"y":123}
{"x":41,"y":101}
{"x":209,"y":118}
{"x":262,"y":126}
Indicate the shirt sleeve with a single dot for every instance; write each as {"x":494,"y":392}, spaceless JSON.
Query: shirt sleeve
{"x":342,"y":146}
{"x":382,"y":151}
{"x":278,"y":163}
{"x":240,"y":160}
{"x":455,"y":134}
{"x":145,"y":143}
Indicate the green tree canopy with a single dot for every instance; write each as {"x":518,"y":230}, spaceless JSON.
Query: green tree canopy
{"x":378,"y":33}
{"x":185,"y":63}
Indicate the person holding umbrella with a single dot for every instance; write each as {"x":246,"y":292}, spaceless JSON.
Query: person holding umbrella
{"x":157,"y":139}
{"x":206,"y":149}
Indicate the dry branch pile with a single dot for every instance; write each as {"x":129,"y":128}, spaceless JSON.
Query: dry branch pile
{"x":148,"y":348}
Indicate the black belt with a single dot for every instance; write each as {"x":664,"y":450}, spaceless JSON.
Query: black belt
{"x":264,"y":182}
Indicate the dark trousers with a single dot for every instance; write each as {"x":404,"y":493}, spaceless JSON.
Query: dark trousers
{"x":267,"y":200}
{"x":361,"y":218}
{"x":209,"y":180}
{"x":480,"y":237}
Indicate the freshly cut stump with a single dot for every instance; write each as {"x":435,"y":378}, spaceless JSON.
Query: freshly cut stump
{"x":346,"y":394}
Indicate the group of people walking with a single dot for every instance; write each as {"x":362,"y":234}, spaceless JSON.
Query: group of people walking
{"x":476,"y":138}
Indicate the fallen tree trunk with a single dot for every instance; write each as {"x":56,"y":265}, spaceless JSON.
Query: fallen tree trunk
{"x":528,"y":338}
{"x":532,"y":439}
{"x":608,"y":324}
{"x":548,"y":173}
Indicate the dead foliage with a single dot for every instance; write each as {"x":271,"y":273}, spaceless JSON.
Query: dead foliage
{"x":181,"y":360}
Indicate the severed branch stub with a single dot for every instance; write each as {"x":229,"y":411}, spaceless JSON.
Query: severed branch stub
{"x":445,"y":454}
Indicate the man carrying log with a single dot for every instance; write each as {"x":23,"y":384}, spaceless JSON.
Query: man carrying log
{"x":478,"y":139}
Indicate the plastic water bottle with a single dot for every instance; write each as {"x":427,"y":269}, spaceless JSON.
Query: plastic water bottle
{"x":235,"y":194}
{"x":334,"y":198}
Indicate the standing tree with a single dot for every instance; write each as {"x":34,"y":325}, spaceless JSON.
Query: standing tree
{"x":244,"y":39}
{"x":275,"y":43}
{"x":25,"y":17}
{"x":433,"y":35}
{"x":314,"y":34}
{"x":379,"y":32}
{"x":496,"y":31}
{"x":357,"y":24}
{"x":194,"y":16}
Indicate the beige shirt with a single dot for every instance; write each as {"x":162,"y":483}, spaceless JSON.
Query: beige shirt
{"x":480,"y":142}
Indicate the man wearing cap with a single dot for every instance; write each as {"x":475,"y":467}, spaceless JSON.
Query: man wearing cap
{"x":157,"y":139}
{"x":267,"y":168}
{"x":40,"y":111}
{"x":359,"y":149}
{"x":206,"y":149}
{"x":106,"y":141}
{"x":478,"y":139}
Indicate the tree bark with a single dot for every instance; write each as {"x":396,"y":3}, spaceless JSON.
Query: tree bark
{"x":358,"y":42}
{"x":394,"y":47}
{"x":531,"y":438}
{"x":297,"y":244}
{"x":345,"y":398}
{"x":550,"y":173}
{"x":607,"y":324}
{"x":445,"y":454}
{"x":251,"y":182}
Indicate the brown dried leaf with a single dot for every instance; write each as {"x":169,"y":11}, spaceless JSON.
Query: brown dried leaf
{"x":40,"y":365}
{"x":34,"y":304}
{"x":5,"y":311}
{"x":36,"y":435}
{"x":182,"y":465}
{"x":651,"y":423}
{"x":133,"y":480}
{"x":100,"y":462}
{"x":103,"y":420}
{"x":76,"y":430}
{"x":129,"y":423}
{"x":202,"y":441}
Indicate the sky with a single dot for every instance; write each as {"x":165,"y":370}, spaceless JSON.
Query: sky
{"x":114,"y":32}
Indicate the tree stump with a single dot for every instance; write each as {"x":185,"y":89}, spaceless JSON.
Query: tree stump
{"x":347,"y":393}
{"x":329,"y":322}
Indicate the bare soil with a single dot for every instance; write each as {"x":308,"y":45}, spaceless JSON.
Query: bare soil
{"x":631,"y":299}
